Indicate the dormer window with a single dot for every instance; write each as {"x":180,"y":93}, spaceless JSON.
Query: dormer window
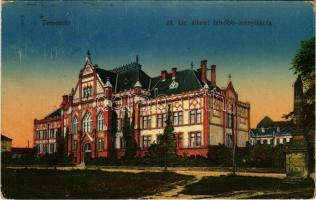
{"x":125,"y":81}
{"x":174,"y":85}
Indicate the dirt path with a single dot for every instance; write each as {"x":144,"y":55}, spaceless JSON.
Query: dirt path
{"x":198,"y":175}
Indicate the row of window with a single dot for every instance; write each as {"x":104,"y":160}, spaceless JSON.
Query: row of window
{"x":176,"y":119}
{"x":47,"y":148}
{"x":87,"y":91}
{"x":270,"y":141}
{"x":100,"y":145}
{"x":87,"y":123}
{"x":195,"y":140}
{"x":44,"y":134}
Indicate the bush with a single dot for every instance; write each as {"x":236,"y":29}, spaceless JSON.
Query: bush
{"x":261,"y":155}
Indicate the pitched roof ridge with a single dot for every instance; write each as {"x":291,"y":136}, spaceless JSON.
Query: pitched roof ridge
{"x":149,"y":84}
{"x":126,"y":67}
{"x":55,"y":112}
{"x":116,"y":79}
{"x":192,"y":70}
{"x":156,"y":84}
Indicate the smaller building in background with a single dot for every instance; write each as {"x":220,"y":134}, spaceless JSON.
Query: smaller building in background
{"x":19,"y":152}
{"x":271,"y":132}
{"x":46,"y":131}
{"x":6,"y":143}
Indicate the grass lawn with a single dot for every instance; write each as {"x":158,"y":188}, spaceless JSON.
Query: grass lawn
{"x":43,"y":183}
{"x":227,"y":184}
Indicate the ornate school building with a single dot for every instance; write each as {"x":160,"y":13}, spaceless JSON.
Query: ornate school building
{"x":202,"y":113}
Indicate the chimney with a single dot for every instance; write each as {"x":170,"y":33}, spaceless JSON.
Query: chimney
{"x":65,"y":100}
{"x":203,"y":70}
{"x":174,"y":72}
{"x":213,"y":74}
{"x":70,"y":99}
{"x":163,"y":75}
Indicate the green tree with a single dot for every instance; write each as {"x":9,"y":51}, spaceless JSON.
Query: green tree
{"x":62,"y":147}
{"x":128,"y":136}
{"x":132,"y":142}
{"x":169,"y":141}
{"x":279,"y":156}
{"x":303,"y":64}
{"x":113,"y":132}
{"x":261,"y":155}
{"x":223,"y":155}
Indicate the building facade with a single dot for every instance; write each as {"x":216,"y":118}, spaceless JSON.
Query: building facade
{"x":46,"y":131}
{"x":6,"y":143}
{"x":271,"y":132}
{"x":202,"y":113}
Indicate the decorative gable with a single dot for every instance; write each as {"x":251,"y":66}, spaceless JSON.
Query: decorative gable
{"x":87,"y":69}
{"x":76,"y":94}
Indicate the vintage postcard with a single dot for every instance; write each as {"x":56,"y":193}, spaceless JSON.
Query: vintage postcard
{"x":157,"y":100}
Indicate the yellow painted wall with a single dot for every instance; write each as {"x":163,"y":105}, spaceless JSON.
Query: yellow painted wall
{"x":216,"y":135}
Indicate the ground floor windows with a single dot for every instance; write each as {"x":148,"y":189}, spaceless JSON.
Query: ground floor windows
{"x":47,"y":148}
{"x":122,"y":143}
{"x":51,"y":148}
{"x":195,"y":139}
{"x":146,"y":141}
{"x":100,"y":144}
{"x":74,"y":145}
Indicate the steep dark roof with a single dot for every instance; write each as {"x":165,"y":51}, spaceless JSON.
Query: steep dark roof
{"x":5,"y":138}
{"x":268,"y":127}
{"x":265,"y":132}
{"x":267,"y":122}
{"x":105,"y":74}
{"x":188,"y":80}
{"x":125,"y":77}
{"x":128,"y":78}
{"x":56,"y":113}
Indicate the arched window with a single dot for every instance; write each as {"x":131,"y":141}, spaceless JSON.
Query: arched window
{"x":87,"y":123}
{"x":100,"y":122}
{"x":74,"y":127}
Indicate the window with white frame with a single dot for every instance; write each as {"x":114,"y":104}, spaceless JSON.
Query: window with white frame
{"x":100,"y":144}
{"x":87,"y":91}
{"x":74,"y":145}
{"x":146,"y":122}
{"x":198,"y":116}
{"x":195,"y":116}
{"x":230,"y":120}
{"x":159,"y":121}
{"x":177,"y":118}
{"x":100,"y":126}
{"x":164,"y":119}
{"x":195,"y":139}
{"x":87,"y":123}
{"x":45,"y":148}
{"x":51,"y":148}
{"x":74,"y":127}
{"x":146,"y":141}
{"x":55,"y":133}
